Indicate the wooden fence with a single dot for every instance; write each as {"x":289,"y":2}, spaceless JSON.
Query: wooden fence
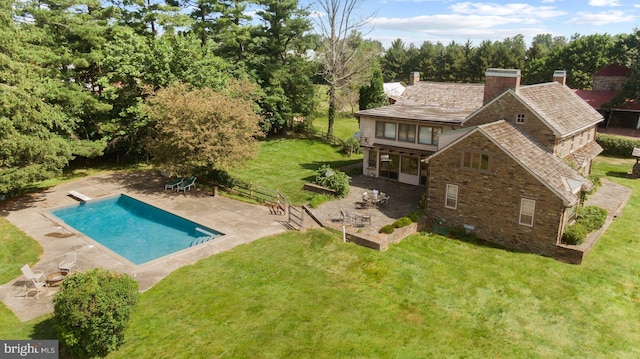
{"x":296,"y":217}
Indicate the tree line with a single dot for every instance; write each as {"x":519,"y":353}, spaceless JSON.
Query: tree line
{"x":114,"y":78}
{"x":581,"y":56}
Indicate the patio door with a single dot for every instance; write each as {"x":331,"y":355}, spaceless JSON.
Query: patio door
{"x":389,"y":165}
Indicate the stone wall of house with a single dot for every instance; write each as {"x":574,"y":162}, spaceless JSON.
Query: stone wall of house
{"x":507,"y":107}
{"x":608,"y":83}
{"x":490,"y":201}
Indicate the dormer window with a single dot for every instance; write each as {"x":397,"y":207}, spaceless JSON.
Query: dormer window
{"x":520,"y":118}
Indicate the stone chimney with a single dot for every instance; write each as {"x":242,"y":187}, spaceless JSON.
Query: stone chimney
{"x":496,"y":81}
{"x":414,"y":78}
{"x":560,"y":76}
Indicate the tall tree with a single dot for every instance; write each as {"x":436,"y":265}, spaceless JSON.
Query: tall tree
{"x":37,"y":137}
{"x":372,"y":95}
{"x":340,"y":28}
{"x":280,"y":65}
{"x":394,"y":62}
{"x":196,"y":129}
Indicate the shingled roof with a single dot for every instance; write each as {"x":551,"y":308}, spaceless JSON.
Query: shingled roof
{"x":462,"y":96}
{"x":533,"y":157}
{"x":557,"y":105}
{"x":434,"y":102}
{"x":542,"y":164}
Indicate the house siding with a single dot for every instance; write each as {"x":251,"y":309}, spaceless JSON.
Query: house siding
{"x":507,"y":107}
{"x":490,"y":201}
{"x":368,"y":133}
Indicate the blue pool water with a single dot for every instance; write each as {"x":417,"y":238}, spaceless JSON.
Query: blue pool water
{"x":134,"y":229}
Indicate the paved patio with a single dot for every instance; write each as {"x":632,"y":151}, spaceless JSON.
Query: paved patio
{"x":403,"y":200}
{"x":240,"y":222}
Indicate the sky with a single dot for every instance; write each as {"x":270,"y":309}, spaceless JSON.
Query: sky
{"x":416,"y":21}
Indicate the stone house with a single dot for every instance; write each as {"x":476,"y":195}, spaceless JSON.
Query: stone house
{"x":396,"y":139}
{"x":551,"y":113}
{"x":503,"y":185}
{"x":505,"y":161}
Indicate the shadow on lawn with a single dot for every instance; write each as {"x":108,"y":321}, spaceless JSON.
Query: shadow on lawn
{"x":460,"y":235}
{"x":618,"y":174}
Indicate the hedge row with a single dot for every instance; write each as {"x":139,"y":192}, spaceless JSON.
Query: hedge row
{"x":616,"y":145}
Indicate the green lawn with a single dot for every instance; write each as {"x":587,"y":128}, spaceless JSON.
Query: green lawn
{"x":311,"y":295}
{"x":286,"y":164}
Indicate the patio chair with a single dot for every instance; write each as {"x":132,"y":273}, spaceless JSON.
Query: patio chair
{"x":343,"y":216}
{"x":191,"y":182}
{"x":68,"y":262}
{"x":36,"y":277}
{"x":173,"y":184}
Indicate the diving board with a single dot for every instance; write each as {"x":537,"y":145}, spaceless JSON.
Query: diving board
{"x":78,"y":196}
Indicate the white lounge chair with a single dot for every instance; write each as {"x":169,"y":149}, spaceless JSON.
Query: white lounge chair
{"x":173,"y":184}
{"x":36,"y":277}
{"x":191,"y":182}
{"x":68,"y":262}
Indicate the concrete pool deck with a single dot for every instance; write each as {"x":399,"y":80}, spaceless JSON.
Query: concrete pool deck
{"x":240,"y":222}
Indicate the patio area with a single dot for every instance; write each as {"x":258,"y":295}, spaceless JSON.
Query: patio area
{"x":361,"y":221}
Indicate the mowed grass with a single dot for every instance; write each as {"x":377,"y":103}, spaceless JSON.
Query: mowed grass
{"x":286,"y":164}
{"x":309,"y":295}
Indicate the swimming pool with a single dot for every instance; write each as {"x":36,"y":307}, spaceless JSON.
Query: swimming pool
{"x":135,"y":230}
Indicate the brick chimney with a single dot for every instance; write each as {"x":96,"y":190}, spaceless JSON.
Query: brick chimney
{"x":498,"y":80}
{"x":560,"y":76}
{"x":414,"y":78}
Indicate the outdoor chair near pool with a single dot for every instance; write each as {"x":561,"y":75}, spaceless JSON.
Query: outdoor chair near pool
{"x":68,"y":262}
{"x":191,"y":182}
{"x":173,"y":184}
{"x":36,"y":277}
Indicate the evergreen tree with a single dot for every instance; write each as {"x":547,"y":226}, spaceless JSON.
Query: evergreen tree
{"x":37,"y":137}
{"x":372,"y":95}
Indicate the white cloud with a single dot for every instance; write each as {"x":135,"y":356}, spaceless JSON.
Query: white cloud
{"x":516,"y":9}
{"x":601,"y":18}
{"x":604,"y":2}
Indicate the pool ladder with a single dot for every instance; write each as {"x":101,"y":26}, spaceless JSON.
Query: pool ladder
{"x":201,"y":240}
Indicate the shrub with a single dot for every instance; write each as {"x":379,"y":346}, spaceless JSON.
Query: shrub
{"x":588,"y":220}
{"x":92,"y":310}
{"x":351,"y":146}
{"x":388,"y":229}
{"x":415,"y":216}
{"x":402,"y":222}
{"x":336,"y":180}
{"x":617,"y":146}
{"x":574,"y":234}
{"x":591,"y":217}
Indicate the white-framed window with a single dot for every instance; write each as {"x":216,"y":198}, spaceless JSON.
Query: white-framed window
{"x":451,"y":201}
{"x":386,"y":130}
{"x":428,"y":135}
{"x":407,"y":133}
{"x":475,"y":161}
{"x":527,"y":211}
{"x":520,"y":118}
